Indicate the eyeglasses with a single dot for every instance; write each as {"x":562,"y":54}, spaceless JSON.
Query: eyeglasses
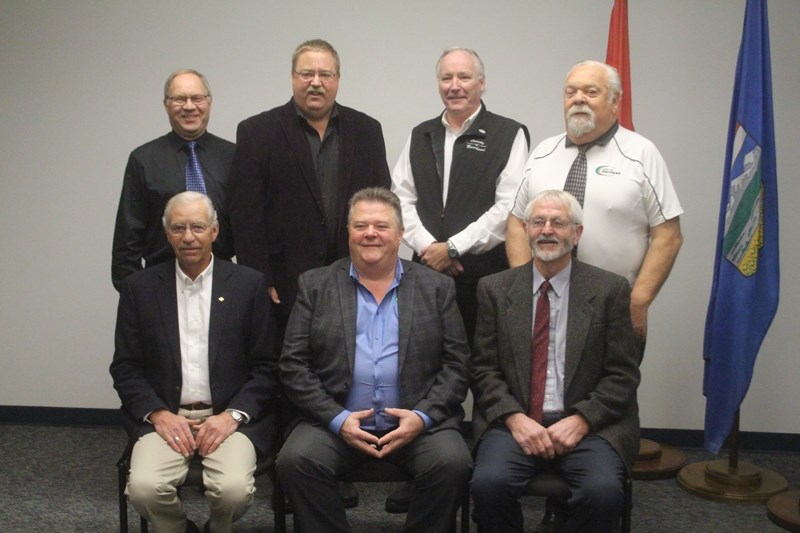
{"x":308,"y":75}
{"x":180,"y":100}
{"x":555,"y":223}
{"x":179,"y":230}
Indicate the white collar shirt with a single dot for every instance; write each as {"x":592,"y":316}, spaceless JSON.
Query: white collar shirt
{"x":194,"y":312}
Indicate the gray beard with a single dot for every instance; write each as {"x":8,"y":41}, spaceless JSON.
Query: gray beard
{"x":552,"y":255}
{"x":578,"y":126}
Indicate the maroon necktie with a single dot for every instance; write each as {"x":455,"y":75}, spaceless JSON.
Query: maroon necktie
{"x":539,"y":344}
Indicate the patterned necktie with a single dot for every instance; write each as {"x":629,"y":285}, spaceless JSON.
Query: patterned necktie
{"x":194,"y":174}
{"x":576,"y":177}
{"x":539,"y":345}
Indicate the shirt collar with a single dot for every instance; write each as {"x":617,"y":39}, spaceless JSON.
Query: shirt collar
{"x":185,"y":281}
{"x":179,"y":143}
{"x":558,"y":282}
{"x":398,"y":272}
{"x":465,"y":126}
{"x":334,"y":112}
{"x":602,"y":140}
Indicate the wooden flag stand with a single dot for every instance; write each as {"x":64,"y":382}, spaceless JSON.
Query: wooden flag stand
{"x":732,"y":480}
{"x":657,"y":461}
{"x":784,"y":509}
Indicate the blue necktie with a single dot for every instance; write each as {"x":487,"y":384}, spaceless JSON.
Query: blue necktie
{"x":194,"y":174}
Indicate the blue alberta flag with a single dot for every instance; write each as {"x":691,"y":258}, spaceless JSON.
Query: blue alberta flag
{"x":744,"y":293}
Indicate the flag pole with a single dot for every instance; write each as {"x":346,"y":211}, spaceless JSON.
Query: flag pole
{"x":733,"y":444}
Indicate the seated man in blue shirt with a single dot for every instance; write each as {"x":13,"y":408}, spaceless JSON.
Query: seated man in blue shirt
{"x":374,"y":362}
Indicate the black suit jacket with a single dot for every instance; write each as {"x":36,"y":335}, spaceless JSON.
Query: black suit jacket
{"x":155,"y":173}
{"x":275,"y":201}
{"x":601,"y":371}
{"x":147,"y":355}
{"x":316,"y":365}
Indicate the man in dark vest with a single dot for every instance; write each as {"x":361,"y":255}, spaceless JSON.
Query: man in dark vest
{"x":457,"y":178}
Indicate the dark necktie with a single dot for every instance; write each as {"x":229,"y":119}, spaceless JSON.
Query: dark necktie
{"x":539,"y":344}
{"x":576,"y":177}
{"x":194,"y":174}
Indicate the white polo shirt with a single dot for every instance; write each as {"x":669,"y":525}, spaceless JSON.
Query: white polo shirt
{"x":628,"y":191}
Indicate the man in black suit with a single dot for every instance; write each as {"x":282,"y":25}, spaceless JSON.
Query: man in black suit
{"x":156,"y":172}
{"x":294,"y":170}
{"x":579,"y":414}
{"x":374,"y":363}
{"x":194,"y":367}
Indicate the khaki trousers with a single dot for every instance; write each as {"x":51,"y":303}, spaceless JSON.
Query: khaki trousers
{"x":157,"y":471}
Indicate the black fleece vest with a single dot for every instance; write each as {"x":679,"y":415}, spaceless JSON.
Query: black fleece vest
{"x":479,"y":156}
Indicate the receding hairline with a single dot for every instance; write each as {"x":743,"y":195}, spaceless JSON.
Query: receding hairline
{"x":181,"y":72}
{"x":188,"y":197}
{"x":476,"y":59}
{"x":610,"y":74}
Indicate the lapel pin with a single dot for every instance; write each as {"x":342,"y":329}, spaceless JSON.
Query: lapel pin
{"x":221,"y":299}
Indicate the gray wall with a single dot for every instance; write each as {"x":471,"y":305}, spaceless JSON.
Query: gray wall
{"x":81,"y":87}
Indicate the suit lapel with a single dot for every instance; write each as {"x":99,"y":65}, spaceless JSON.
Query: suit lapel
{"x":221,"y":301}
{"x":296,"y":139}
{"x":519,"y":317}
{"x":166,"y":296}
{"x":347,"y":153}
{"x":579,"y":319}
{"x":405,"y":307}
{"x":347,"y":307}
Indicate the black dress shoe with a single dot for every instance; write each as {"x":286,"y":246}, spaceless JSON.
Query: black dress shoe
{"x":349,"y":494}
{"x":398,"y":501}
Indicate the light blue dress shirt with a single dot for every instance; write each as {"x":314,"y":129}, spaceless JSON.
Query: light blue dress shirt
{"x":375,"y":383}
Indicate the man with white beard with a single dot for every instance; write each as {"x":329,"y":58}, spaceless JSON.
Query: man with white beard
{"x":560,"y":395}
{"x":630,"y":207}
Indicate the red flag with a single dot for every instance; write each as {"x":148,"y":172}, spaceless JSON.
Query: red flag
{"x":618,"y":56}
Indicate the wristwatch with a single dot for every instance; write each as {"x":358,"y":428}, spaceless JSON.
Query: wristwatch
{"x":451,"y":250}
{"x":236,"y":415}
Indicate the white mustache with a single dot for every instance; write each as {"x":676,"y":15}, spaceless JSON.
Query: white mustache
{"x":579,"y":108}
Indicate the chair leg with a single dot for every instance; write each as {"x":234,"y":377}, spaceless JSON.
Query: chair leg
{"x":278,"y":506}
{"x":122,"y":476}
{"x":627,"y":506}
{"x":465,"y":511}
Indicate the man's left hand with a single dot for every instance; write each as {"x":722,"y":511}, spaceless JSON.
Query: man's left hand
{"x":410,"y":425}
{"x":213,"y":432}
{"x":567,"y":433}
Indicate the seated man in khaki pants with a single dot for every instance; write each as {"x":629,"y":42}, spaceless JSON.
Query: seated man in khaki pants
{"x":195,"y":369}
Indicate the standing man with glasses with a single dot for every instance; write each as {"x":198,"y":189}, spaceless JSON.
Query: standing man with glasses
{"x":295,"y":168}
{"x":186,"y":158}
